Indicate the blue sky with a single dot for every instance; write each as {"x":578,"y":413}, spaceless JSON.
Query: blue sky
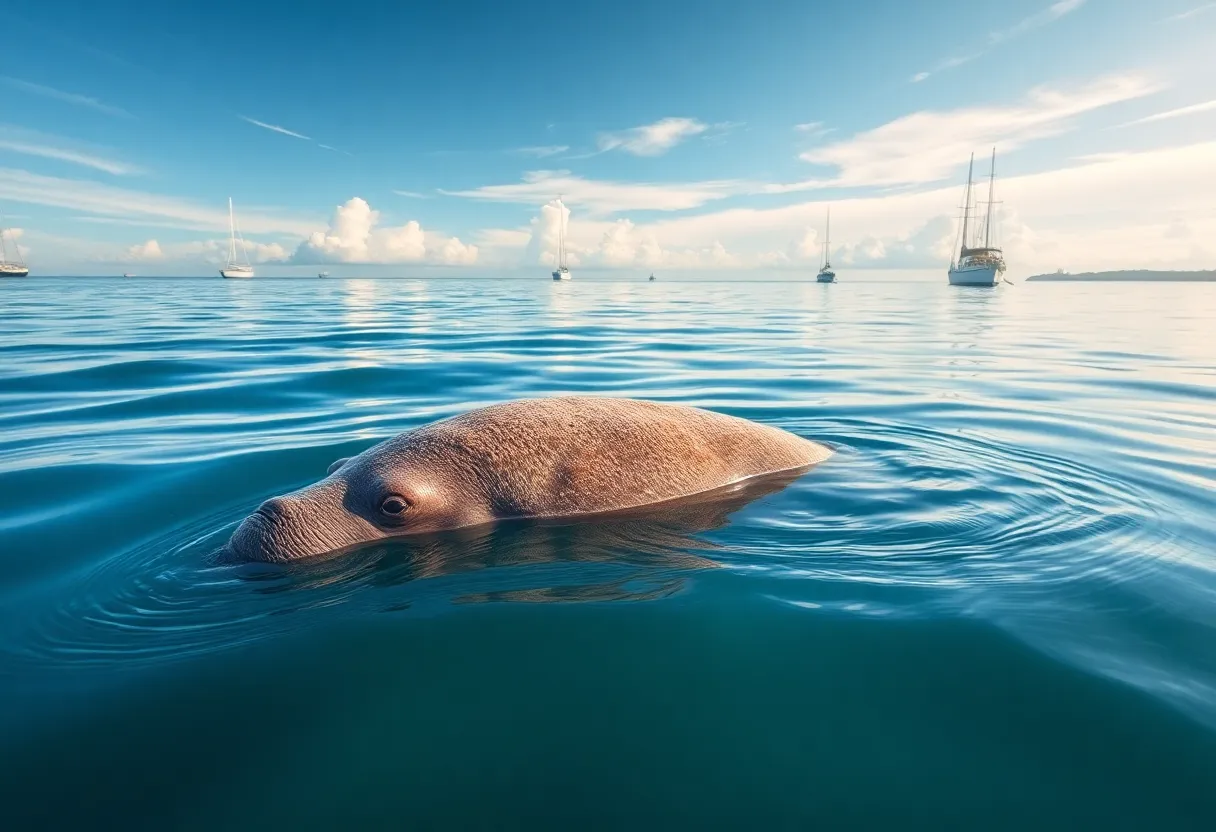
{"x":402,"y":137}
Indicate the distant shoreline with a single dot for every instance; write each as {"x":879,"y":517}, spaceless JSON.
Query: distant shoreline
{"x":1130,"y":275}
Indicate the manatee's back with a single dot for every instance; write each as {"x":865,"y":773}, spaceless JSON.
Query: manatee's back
{"x":570,"y":455}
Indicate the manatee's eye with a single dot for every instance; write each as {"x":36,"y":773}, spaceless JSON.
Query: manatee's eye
{"x":394,"y":506}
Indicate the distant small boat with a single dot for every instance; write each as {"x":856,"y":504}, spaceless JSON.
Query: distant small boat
{"x":562,"y":272}
{"x":11,"y":268}
{"x":323,"y":274}
{"x":235,"y":268}
{"x":826,"y":275}
{"x":652,"y":278}
{"x":127,"y":274}
{"x":977,"y":265}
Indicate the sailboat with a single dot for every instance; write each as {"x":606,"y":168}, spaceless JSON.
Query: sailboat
{"x":561,"y":272}
{"x":11,"y":268}
{"x":234,"y":268}
{"x":977,"y":265}
{"x":826,"y":275}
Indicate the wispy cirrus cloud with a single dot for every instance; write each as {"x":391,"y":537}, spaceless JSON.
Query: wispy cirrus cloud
{"x":927,"y":146}
{"x":1179,"y":112}
{"x":136,"y":206}
{"x":813,"y":129}
{"x":277,"y":129}
{"x":600,"y":197}
{"x":542,"y":151}
{"x":412,"y":194}
{"x":1206,"y":7}
{"x":66,"y":97}
{"x":652,"y":139}
{"x":42,"y":145}
{"x":1027,"y":24}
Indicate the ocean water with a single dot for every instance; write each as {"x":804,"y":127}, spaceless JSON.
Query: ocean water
{"x":993,"y":608}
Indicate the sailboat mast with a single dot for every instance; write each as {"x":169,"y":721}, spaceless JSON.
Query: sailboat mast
{"x":561,"y":232}
{"x":988,"y":221}
{"x":967,"y":203}
{"x":231,"y":234}
{"x":827,"y":243}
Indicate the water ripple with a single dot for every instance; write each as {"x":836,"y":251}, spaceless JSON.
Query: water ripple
{"x":1044,"y":469}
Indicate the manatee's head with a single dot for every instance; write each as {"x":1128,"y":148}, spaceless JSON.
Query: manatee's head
{"x":386,"y":491}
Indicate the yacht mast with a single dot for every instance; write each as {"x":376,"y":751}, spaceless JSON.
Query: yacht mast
{"x":561,"y":232}
{"x":967,"y":203}
{"x":827,"y":243}
{"x":231,"y":235}
{"x":988,"y":221}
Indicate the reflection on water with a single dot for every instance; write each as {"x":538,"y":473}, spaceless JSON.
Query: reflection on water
{"x":1004,"y":578}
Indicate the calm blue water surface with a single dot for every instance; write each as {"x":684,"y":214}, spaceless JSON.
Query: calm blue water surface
{"x":994,"y":607}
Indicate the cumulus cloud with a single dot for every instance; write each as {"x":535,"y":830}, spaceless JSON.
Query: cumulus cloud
{"x":354,"y":235}
{"x":928,"y":146}
{"x":216,"y":251}
{"x":925,"y":247}
{"x":652,"y":139}
{"x":145,"y":251}
{"x":611,"y":245}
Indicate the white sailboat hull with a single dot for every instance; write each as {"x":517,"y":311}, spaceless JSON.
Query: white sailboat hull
{"x":973,"y":276}
{"x":561,"y":274}
{"x":13,"y":270}
{"x":236,"y":273}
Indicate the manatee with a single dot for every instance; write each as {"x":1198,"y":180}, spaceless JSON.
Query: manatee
{"x":564,"y":457}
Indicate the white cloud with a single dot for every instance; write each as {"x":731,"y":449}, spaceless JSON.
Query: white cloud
{"x":1202,"y":107}
{"x":277,"y":129}
{"x":412,"y":194}
{"x":1048,"y":220}
{"x":1192,"y":12}
{"x":541,"y":152}
{"x":137,"y":206}
{"x":145,"y":251}
{"x":620,"y":244}
{"x":1027,"y":24}
{"x":652,"y":139}
{"x":928,"y":146}
{"x":603,"y":197}
{"x":948,"y":63}
{"x":503,"y":237}
{"x":66,"y":97}
{"x":813,"y":129}
{"x":32,"y":143}
{"x":355,"y":236}
{"x":1048,"y":15}
{"x":215,"y":251}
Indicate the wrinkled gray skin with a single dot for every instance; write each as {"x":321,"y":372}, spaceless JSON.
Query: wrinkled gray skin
{"x":558,"y":457}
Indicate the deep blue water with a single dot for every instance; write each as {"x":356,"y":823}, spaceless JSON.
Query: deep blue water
{"x":994,"y":607}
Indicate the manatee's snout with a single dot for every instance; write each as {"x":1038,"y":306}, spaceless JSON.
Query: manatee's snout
{"x":305,"y":524}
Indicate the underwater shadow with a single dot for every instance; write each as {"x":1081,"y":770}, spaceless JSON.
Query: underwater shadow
{"x":636,"y":554}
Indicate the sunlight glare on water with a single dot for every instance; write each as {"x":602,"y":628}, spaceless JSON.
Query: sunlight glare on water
{"x":997,"y":600}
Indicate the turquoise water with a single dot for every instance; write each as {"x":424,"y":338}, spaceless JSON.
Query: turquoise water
{"x":994,"y":607}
